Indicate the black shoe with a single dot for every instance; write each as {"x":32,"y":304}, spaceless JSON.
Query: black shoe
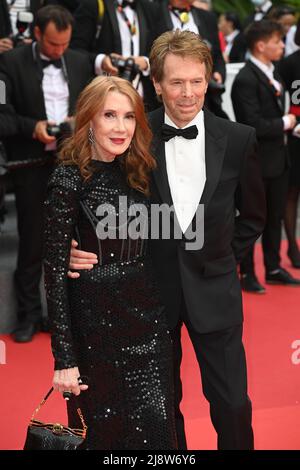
{"x":295,"y":258}
{"x":249,"y":283}
{"x":25,"y":332}
{"x":282,"y":277}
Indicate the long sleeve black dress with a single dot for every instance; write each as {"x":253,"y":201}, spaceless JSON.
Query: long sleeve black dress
{"x":109,"y":322}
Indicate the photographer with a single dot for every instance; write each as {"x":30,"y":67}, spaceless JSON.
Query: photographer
{"x":118,"y":30}
{"x":43,"y":81}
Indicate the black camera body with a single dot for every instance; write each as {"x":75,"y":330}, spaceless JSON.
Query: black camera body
{"x":60,"y":131}
{"x":127,"y":68}
{"x":215,"y":87}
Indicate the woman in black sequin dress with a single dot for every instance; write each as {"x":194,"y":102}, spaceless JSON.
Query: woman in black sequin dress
{"x":109,"y":324}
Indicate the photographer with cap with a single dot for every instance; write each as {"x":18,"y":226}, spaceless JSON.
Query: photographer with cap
{"x":43,"y":81}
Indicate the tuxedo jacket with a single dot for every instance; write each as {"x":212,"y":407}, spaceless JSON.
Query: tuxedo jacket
{"x":109,"y":39}
{"x":5,"y":26}
{"x":239,"y":49}
{"x":208,"y":30}
{"x":207,"y":278}
{"x":255,"y":102}
{"x":21,"y":71}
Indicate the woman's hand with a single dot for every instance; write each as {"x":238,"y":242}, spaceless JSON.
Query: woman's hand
{"x":80,"y":260}
{"x":66,"y":380}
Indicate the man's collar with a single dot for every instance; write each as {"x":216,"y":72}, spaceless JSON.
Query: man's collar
{"x":261,"y":65}
{"x":197,"y":121}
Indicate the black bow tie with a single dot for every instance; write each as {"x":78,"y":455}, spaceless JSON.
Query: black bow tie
{"x":56,"y":63}
{"x":168,"y":132}
{"x":127,"y":3}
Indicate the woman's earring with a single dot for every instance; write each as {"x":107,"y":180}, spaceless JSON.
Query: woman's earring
{"x":91,"y":136}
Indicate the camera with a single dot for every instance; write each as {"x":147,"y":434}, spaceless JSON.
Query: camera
{"x":60,"y":131}
{"x":215,"y":87}
{"x":24,"y":20}
{"x":127,"y":68}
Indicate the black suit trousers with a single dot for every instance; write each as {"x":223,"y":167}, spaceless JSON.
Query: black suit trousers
{"x":222,"y":362}
{"x":276,"y":194}
{"x":30,"y":186}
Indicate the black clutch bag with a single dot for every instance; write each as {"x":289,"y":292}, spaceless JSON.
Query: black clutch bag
{"x":53,"y":436}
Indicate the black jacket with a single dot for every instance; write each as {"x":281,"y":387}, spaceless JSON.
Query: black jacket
{"x":255,"y":102}
{"x":239,"y":49}
{"x":5,"y":26}
{"x":207,"y":277}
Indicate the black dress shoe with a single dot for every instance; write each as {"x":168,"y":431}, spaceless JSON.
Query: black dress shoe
{"x":281,"y":276}
{"x":249,"y":283}
{"x":25,"y":333}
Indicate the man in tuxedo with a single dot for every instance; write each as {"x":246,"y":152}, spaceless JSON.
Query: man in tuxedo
{"x":258,"y":98}
{"x":123,"y":28}
{"x":43,"y":81}
{"x":207,"y":160}
{"x":183,"y":15}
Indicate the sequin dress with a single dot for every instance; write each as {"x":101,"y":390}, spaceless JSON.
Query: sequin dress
{"x":109,"y":322}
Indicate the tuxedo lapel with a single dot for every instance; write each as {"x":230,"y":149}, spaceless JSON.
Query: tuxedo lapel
{"x":281,"y":98}
{"x":168,"y":24}
{"x":158,"y":149}
{"x":262,"y":77}
{"x":111,"y":10}
{"x":71,"y":85}
{"x":202,"y":28}
{"x":215,"y":147}
{"x":34,"y":84}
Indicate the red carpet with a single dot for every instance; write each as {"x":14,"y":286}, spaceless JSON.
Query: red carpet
{"x":272,"y":325}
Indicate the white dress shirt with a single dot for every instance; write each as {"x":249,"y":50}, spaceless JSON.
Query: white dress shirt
{"x":189,"y":25}
{"x":185,"y":163}
{"x":229,"y":40}
{"x":56,"y":96}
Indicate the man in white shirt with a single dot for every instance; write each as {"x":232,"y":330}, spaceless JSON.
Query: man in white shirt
{"x":43,"y":81}
{"x":258,"y":98}
{"x":202,"y":159}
